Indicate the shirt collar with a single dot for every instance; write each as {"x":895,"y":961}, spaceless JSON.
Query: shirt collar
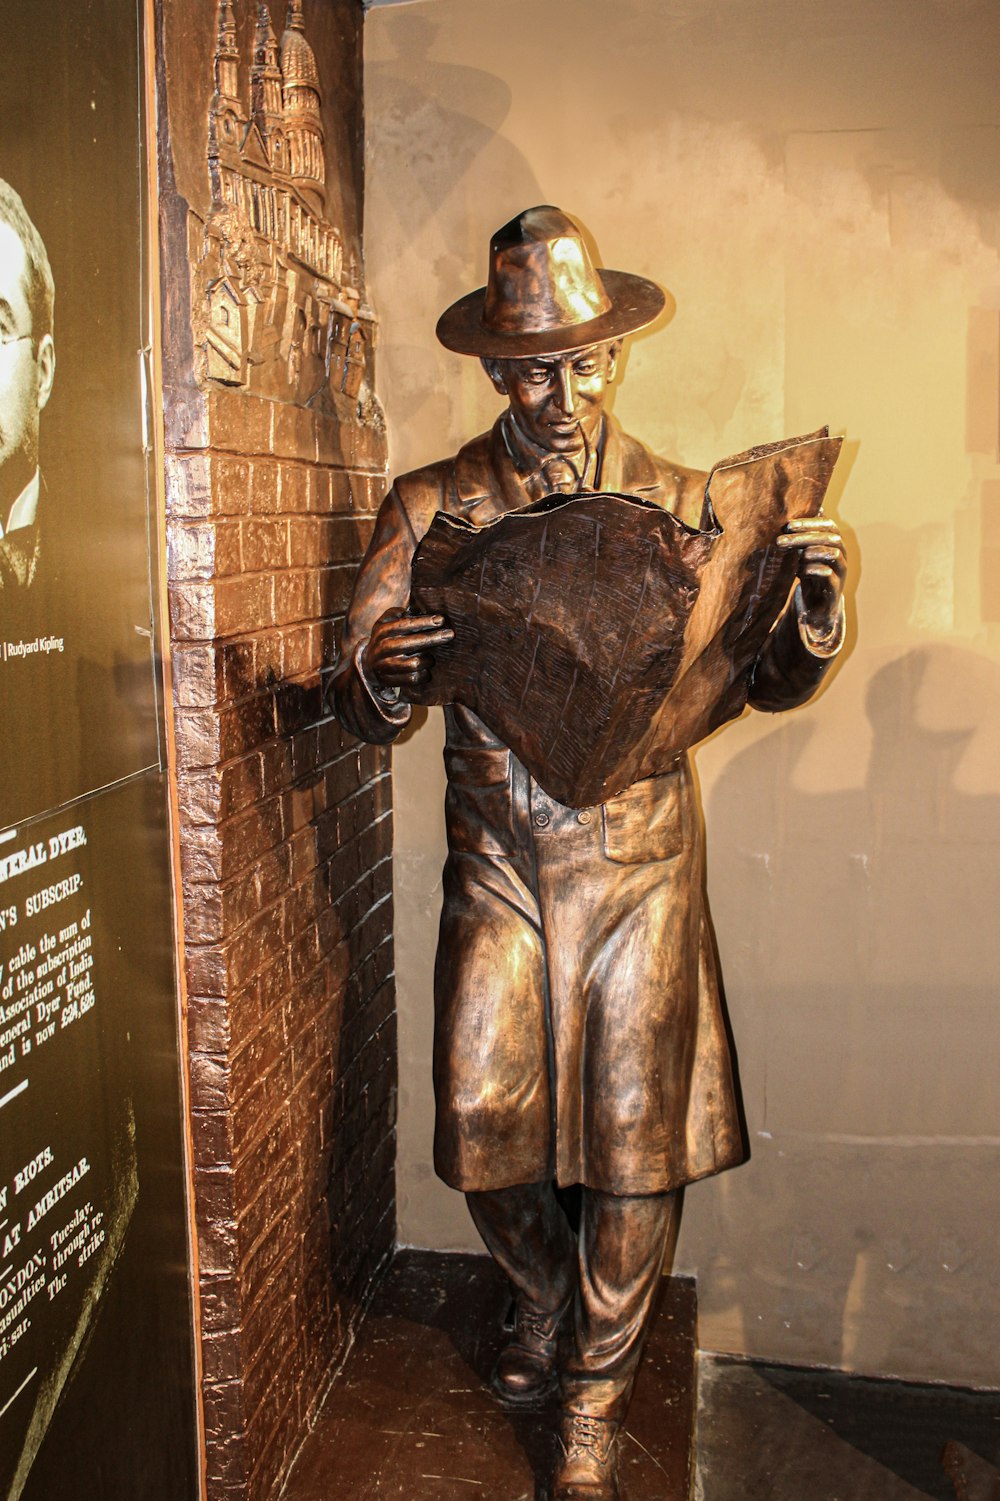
{"x":25,"y":508}
{"x":529,"y":459}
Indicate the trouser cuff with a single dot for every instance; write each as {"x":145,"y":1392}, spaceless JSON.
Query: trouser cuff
{"x":607,"y":1399}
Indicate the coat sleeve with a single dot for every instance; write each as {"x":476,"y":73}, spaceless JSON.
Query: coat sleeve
{"x":793,"y":661}
{"x":383,"y":582}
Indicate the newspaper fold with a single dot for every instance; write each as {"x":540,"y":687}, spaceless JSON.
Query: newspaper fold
{"x":598,"y":635}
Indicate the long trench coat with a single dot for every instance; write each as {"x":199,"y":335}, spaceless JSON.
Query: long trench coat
{"x":579,"y":1033}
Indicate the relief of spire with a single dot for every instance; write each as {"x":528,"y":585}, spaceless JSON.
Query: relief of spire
{"x":265,"y":77}
{"x":227,"y":60}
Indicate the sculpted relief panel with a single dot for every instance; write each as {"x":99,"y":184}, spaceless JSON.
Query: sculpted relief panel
{"x":275,"y":465}
{"x":277,"y":310}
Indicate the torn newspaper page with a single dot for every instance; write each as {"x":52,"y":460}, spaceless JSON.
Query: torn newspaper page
{"x":598,"y":635}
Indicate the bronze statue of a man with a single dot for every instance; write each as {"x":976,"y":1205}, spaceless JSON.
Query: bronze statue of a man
{"x":578,"y":1030}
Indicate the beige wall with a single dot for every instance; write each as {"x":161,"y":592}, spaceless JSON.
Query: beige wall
{"x":819,"y":187}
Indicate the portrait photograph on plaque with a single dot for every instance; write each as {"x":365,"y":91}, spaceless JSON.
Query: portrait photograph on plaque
{"x":76,"y":670}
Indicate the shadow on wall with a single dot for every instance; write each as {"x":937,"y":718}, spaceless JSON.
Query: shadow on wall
{"x":869,"y":979}
{"x":440,"y":127}
{"x":340,"y":916}
{"x":440,"y":143}
{"x":310,"y":919}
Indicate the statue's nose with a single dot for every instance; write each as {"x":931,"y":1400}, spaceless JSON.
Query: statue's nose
{"x":565,"y":394}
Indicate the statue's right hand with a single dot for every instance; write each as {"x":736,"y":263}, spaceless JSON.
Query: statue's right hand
{"x":398,"y":651}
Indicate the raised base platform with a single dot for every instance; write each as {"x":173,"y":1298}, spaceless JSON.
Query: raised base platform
{"x":412,"y":1416}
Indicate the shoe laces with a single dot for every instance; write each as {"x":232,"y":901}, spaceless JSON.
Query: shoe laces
{"x":532,"y":1322}
{"x":586,"y":1432}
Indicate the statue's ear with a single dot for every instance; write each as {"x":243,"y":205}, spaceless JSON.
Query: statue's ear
{"x":614,"y":350}
{"x":492,"y":368}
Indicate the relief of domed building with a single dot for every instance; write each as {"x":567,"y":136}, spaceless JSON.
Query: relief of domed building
{"x":280,"y":317}
{"x":300,"y":82}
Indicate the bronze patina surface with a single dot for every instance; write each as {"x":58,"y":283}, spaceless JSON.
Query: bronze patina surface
{"x":529,"y":595}
{"x":579,"y":1033}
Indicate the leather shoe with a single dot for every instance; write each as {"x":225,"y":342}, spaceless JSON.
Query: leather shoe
{"x":527,"y":1370}
{"x":588,"y":1469}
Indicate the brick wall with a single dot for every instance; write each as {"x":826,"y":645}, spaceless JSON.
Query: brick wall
{"x":284,"y":822}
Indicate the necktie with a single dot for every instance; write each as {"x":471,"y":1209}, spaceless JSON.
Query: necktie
{"x":560,"y":474}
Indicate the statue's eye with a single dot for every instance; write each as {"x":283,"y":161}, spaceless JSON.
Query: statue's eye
{"x":538,"y":376}
{"x":586,"y":367}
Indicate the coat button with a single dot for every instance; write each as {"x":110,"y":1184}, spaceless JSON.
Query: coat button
{"x":585,"y":816}
{"x":541,"y":820}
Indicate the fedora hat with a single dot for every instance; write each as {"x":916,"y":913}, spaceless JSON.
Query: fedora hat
{"x":545,"y":296}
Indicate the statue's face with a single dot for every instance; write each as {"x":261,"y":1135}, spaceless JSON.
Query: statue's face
{"x":558,"y":400}
{"x":25,"y":372}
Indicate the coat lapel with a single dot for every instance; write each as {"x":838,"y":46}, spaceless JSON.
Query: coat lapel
{"x":628,"y":466}
{"x":19,"y":558}
{"x":486,"y":482}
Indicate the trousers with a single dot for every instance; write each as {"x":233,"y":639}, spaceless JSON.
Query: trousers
{"x":608,"y":1271}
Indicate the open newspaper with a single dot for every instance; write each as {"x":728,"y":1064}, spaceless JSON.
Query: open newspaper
{"x":598,"y":635}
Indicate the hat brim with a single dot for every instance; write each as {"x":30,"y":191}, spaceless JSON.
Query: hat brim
{"x":635,"y":303}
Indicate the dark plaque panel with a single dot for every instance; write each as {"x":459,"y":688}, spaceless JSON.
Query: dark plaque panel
{"x":96,"y":1365}
{"x":95,"y":1357}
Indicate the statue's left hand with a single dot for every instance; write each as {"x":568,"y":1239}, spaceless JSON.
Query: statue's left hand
{"x":822,"y":568}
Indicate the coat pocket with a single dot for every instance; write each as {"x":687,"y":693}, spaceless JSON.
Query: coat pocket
{"x":478,"y":806}
{"x":647,"y":821}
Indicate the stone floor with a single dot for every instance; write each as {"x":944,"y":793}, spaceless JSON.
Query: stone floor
{"x":775,"y":1433}
{"x":412,"y":1416}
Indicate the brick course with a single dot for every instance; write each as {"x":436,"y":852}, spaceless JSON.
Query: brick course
{"x":285,"y":828}
{"x":286,"y":841}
